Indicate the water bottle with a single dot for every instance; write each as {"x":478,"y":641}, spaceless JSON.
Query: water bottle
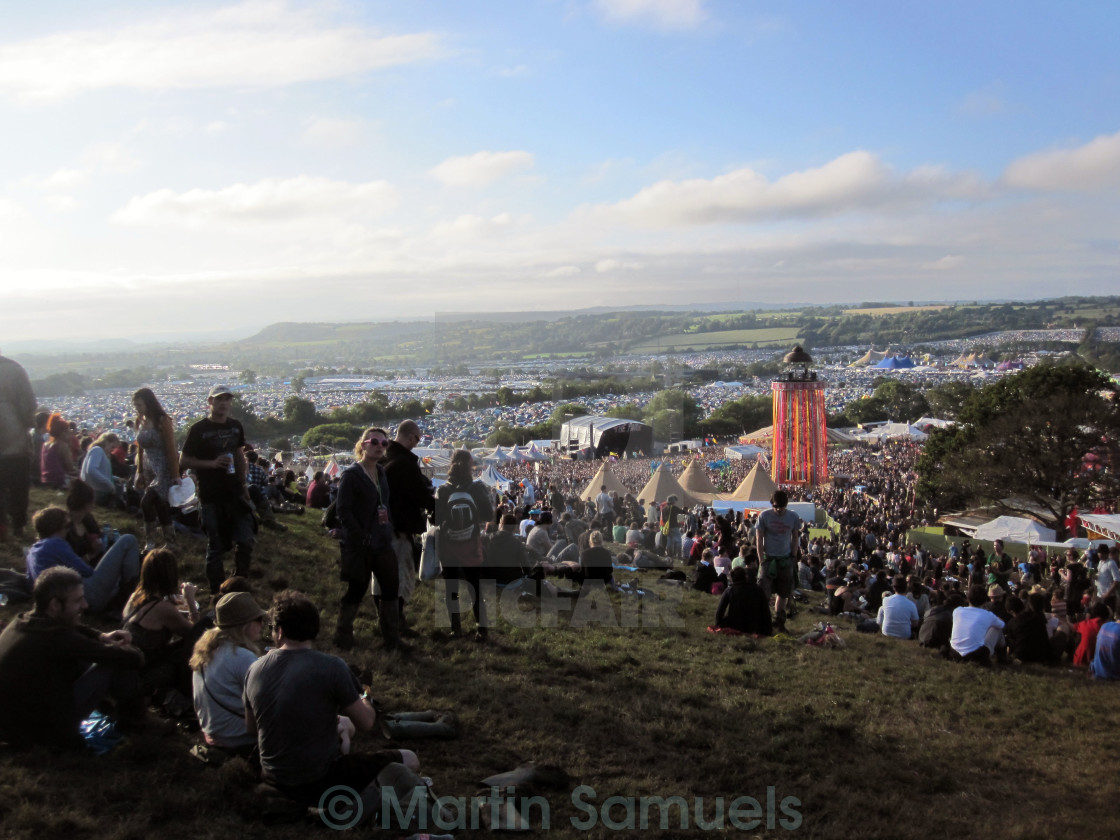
{"x":106,"y":537}
{"x":3,"y":600}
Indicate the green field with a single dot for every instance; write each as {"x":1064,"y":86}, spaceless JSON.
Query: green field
{"x":717,"y":339}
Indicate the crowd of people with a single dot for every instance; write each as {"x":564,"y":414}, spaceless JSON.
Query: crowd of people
{"x":293,"y":710}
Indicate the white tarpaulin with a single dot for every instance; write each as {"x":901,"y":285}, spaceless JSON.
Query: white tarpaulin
{"x":1014,"y":529}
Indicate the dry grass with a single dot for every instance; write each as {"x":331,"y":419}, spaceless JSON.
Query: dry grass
{"x":882,"y":739}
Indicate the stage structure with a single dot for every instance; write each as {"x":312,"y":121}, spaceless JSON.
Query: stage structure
{"x":800,"y":433}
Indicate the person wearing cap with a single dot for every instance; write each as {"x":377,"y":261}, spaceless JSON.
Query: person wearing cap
{"x":220,"y":663}
{"x":215,"y":450}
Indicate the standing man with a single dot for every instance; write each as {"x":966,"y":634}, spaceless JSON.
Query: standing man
{"x":1107,"y":578}
{"x":215,"y":450}
{"x":779,"y":545}
{"x":1000,"y":565}
{"x":17,"y":417}
{"x":411,"y":501}
{"x":604,"y":504}
{"x":54,"y":670}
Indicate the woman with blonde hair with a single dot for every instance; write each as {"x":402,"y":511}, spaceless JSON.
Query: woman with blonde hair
{"x":220,"y":663}
{"x":362,"y":508}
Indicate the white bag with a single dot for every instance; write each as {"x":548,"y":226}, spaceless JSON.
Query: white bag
{"x":429,"y":555}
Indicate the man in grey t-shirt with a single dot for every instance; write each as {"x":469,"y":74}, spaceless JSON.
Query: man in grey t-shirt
{"x":294,"y":697}
{"x":778,"y":546}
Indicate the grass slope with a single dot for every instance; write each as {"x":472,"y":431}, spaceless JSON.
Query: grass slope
{"x":882,"y":739}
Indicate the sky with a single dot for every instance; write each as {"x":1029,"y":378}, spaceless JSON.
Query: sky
{"x":175,"y":169}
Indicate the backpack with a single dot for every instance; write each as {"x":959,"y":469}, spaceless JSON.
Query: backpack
{"x":461,"y":523}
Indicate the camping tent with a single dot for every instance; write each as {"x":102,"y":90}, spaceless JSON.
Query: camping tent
{"x":758,"y":486}
{"x":897,"y":431}
{"x":533,"y":453}
{"x":871,"y":357}
{"x":1014,"y":529}
{"x":661,"y":485}
{"x":518,"y":454}
{"x":498,"y":456}
{"x":604,"y":476}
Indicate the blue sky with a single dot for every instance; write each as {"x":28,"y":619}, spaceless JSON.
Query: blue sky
{"x":184,"y":168}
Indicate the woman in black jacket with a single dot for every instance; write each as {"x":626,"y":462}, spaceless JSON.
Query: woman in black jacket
{"x":367,"y":541}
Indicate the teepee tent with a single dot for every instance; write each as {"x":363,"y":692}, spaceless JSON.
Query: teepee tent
{"x":695,"y":480}
{"x":604,"y":476}
{"x":758,"y":486}
{"x":661,"y":485}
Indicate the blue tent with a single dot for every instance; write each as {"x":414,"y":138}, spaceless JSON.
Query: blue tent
{"x":896,"y":363}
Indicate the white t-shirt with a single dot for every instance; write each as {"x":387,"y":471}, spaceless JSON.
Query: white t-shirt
{"x":895,"y":616}
{"x":970,"y":626}
{"x":1107,"y":574}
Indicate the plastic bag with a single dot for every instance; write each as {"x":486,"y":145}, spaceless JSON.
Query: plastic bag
{"x":429,"y":555}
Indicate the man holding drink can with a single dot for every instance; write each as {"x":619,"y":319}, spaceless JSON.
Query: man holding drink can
{"x":215,"y":450}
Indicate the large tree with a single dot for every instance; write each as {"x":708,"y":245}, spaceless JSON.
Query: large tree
{"x":1022,"y":443}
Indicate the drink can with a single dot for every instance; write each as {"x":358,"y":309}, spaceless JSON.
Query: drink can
{"x":232,"y":467}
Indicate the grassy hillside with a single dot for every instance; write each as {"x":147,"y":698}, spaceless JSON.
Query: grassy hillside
{"x":882,"y":739}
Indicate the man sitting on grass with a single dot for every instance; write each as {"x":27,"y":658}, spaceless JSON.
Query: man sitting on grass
{"x":977,"y":633}
{"x":54,"y":670}
{"x":898,"y":615}
{"x":294,"y":697}
{"x":116,"y":572}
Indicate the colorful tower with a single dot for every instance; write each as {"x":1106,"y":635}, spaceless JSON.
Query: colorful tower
{"x":800,"y":432}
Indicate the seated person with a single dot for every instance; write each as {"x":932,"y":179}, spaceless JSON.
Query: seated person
{"x":706,"y":573}
{"x":97,"y":470}
{"x":898,"y":615}
{"x":114,"y":572}
{"x":505,"y":558}
{"x":85,"y":537}
{"x":538,"y":542}
{"x":154,"y":616}
{"x":937,"y":626}
{"x":219,"y":663}
{"x":1087,"y":631}
{"x":56,"y":458}
{"x":597,"y":562}
{"x":743,"y":606}
{"x":977,"y":632}
{"x":47,"y":684}
{"x":294,"y":696}
{"x":1106,"y":660}
{"x":318,"y":492}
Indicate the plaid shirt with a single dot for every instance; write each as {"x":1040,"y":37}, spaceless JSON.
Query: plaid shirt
{"x":256,"y":474}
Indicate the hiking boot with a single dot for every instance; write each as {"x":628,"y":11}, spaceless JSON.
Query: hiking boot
{"x":344,"y":630}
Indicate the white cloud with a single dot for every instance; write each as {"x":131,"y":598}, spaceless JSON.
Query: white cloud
{"x":300,"y":200}
{"x":333,"y":133}
{"x":61,"y":203}
{"x":63,"y":179}
{"x":110,"y":157}
{"x":564,"y":271}
{"x":852,"y":182}
{"x":215,"y":127}
{"x":474,"y":227}
{"x":664,"y":14}
{"x":258,"y":43}
{"x":608,"y":265}
{"x":1090,"y":168}
{"x":946,"y":263}
{"x":480,"y":169}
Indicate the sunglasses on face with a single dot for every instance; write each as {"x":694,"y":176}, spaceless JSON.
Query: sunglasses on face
{"x":376,"y":442}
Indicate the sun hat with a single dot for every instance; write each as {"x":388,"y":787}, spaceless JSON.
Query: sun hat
{"x":237,"y":608}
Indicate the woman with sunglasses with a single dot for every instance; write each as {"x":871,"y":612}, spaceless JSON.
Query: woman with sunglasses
{"x":367,"y":541}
